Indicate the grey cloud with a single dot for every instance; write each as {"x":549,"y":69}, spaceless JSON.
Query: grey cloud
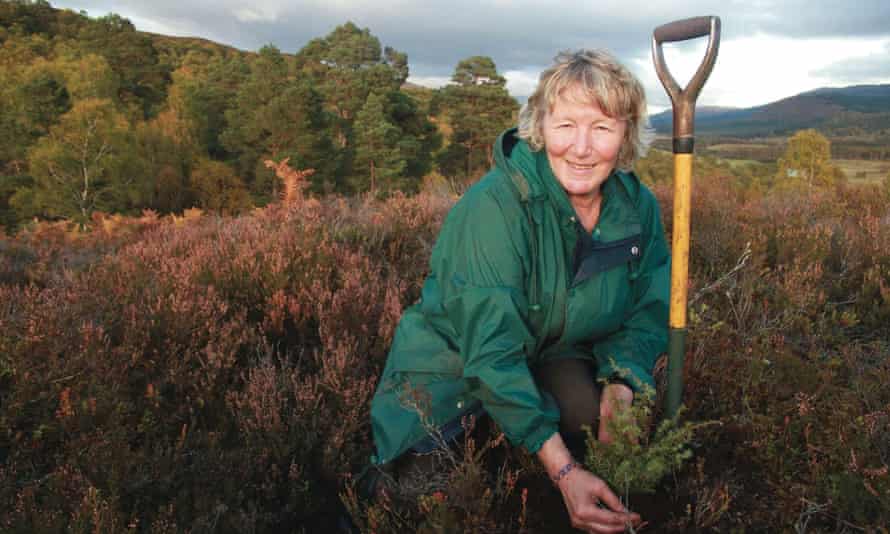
{"x":522,"y":36}
{"x":873,"y":68}
{"x":825,"y":18}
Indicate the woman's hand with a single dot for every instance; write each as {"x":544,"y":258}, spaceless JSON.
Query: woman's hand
{"x":584,"y":493}
{"x":615,"y":398}
{"x":591,"y":504}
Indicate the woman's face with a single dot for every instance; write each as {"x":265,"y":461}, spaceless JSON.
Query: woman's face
{"x":582,"y":143}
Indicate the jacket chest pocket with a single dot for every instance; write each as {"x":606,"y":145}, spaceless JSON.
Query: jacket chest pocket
{"x":595,"y":257}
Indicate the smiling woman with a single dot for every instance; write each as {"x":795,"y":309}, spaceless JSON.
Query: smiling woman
{"x":546,"y":303}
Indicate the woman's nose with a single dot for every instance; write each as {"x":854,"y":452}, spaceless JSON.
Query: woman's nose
{"x":583,"y":143}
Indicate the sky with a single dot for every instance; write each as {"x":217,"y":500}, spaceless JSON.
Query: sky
{"x":769,"y":50}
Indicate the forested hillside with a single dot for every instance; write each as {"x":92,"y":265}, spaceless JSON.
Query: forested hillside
{"x":100,"y":117}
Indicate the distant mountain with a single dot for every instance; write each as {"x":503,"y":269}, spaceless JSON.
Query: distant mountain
{"x":859,"y":108}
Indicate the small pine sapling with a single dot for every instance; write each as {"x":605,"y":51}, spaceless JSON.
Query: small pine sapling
{"x":637,"y":459}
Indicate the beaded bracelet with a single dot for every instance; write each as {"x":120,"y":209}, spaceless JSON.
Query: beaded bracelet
{"x":561,"y":474}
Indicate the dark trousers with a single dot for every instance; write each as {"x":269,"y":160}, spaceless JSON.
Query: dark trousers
{"x":573,"y":384}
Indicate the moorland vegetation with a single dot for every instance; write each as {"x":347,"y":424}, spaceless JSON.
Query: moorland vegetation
{"x":213,"y":373}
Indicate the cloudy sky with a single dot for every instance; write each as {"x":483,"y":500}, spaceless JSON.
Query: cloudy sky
{"x":770,"y":49}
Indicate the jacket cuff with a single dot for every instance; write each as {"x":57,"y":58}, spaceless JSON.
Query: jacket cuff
{"x":534,"y":441}
{"x":633,"y":375}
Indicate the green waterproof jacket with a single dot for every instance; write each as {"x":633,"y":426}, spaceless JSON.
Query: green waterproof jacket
{"x":506,"y":291}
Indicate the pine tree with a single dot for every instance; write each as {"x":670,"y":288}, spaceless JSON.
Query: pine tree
{"x":346,"y":66}
{"x":479,"y":108}
{"x":132,"y":56}
{"x":275,"y":117}
{"x":378,"y":160}
{"x":419,"y":139}
{"x":244,"y":136}
{"x":203,"y":91}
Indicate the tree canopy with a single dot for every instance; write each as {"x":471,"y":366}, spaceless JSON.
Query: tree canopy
{"x":807,"y":160}
{"x":478,"y":108}
{"x":86,"y":163}
{"x":99,"y":116}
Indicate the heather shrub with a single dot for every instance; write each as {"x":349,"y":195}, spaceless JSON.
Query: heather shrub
{"x":473,"y":488}
{"x":206,"y":372}
{"x":775,"y":344}
{"x":43,"y":250}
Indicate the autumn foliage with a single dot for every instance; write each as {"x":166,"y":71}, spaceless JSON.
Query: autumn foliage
{"x":214,"y":373}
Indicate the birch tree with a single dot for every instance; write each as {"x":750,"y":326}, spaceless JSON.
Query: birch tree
{"x":86,"y":163}
{"x":807,"y":160}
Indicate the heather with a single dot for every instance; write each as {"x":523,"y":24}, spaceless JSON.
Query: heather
{"x":207,"y":373}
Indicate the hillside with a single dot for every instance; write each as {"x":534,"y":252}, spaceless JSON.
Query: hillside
{"x":844,"y":111}
{"x":193,"y":122}
{"x":175,"y":48}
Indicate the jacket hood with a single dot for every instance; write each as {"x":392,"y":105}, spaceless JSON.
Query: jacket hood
{"x":515,"y":158}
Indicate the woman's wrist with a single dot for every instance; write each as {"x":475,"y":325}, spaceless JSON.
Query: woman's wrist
{"x":563,"y":472}
{"x":555,"y":457}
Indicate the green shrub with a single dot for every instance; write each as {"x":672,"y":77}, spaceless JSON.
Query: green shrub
{"x":637,"y":459}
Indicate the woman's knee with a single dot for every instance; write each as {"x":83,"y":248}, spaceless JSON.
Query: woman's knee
{"x":573,"y":384}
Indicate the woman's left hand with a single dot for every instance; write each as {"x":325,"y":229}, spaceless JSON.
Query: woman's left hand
{"x":615,"y":398}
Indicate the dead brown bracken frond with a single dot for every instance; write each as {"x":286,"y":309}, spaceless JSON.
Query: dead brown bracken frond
{"x":294,"y":181}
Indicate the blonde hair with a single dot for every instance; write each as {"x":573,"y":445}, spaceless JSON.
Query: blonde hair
{"x":607,"y":83}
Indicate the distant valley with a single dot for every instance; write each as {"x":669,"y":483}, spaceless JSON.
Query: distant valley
{"x":855,"y":118}
{"x":835,"y":110}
